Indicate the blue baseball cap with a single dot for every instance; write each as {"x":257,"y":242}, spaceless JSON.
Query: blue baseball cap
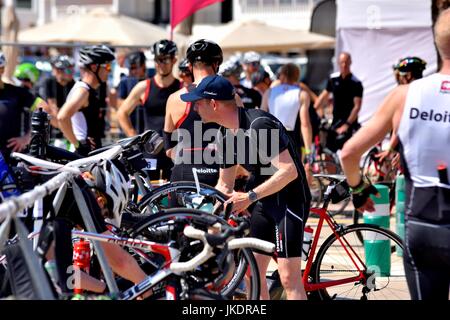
{"x":212,"y":87}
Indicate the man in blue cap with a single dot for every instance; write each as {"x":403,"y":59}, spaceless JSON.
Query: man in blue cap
{"x":264,"y":148}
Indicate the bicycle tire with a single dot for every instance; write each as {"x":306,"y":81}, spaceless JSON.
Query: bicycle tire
{"x":156,"y":197}
{"x":330,"y":265}
{"x":247,"y":260}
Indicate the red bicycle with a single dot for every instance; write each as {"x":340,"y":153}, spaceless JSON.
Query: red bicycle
{"x":346,"y":268}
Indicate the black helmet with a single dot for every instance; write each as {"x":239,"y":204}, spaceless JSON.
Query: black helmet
{"x":183,"y":66}
{"x":259,"y":76}
{"x":205,"y":51}
{"x":62,"y":62}
{"x":164,"y":47}
{"x":96,"y":55}
{"x":231,"y":68}
{"x":415,"y":65}
{"x":137,"y":58}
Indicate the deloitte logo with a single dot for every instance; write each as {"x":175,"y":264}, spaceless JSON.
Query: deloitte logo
{"x":430,"y":115}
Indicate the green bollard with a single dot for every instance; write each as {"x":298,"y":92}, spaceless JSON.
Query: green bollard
{"x":400,"y":210}
{"x":378,"y":250}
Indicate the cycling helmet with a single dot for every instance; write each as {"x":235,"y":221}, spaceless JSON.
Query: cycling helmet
{"x":183,"y":66}
{"x":27,"y":71}
{"x":164,"y":47}
{"x":415,"y":65}
{"x":136,"y":58}
{"x":251,"y":56}
{"x":259,"y":76}
{"x":111,"y":179}
{"x":231,"y":68}
{"x":62,"y":62}
{"x":2,"y":59}
{"x":205,"y":51}
{"x":96,"y":55}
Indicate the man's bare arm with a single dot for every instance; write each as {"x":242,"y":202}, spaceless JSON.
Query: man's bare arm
{"x":387,"y":117}
{"x":319,"y":104}
{"x":305,"y":120}
{"x":77,"y":100}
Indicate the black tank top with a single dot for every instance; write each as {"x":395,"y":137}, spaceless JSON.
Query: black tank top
{"x":192,"y":149}
{"x":94,"y":116}
{"x":154,"y":104}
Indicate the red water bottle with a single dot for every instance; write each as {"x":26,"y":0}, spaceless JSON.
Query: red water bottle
{"x":81,"y":258}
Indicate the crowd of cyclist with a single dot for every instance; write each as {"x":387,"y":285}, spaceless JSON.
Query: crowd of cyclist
{"x":214,"y":98}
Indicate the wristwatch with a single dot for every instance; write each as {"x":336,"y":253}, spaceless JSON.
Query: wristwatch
{"x":252,"y":196}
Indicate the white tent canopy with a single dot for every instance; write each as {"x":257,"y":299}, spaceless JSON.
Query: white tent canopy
{"x":377,"y":34}
{"x":99,"y":26}
{"x":259,"y":36}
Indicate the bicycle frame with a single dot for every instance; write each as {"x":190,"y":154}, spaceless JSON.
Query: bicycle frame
{"x":323,"y":216}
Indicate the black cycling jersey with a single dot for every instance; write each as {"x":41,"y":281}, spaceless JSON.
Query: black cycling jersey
{"x":94,"y":117}
{"x":155,"y":104}
{"x":191,"y":147}
{"x":249,"y":97}
{"x":262,"y":128}
{"x":13,"y":104}
{"x":280,"y":217}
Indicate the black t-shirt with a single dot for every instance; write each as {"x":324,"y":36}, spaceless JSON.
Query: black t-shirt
{"x":261,"y":137}
{"x":14,"y":102}
{"x":344,"y":91}
{"x":54,"y":90}
{"x":250,"y":97}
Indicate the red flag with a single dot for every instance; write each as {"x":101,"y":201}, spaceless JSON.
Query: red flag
{"x":181,"y":9}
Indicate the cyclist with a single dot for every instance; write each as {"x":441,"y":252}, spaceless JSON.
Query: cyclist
{"x":80,"y":115}
{"x":185,"y":73}
{"x":251,"y":62}
{"x":106,"y":192}
{"x":232,"y":71}
{"x":135,"y":62}
{"x":28,"y":75}
{"x":347,"y":93}
{"x":56,"y":89}
{"x":418,"y":113}
{"x":153,"y":94}
{"x":279,"y":196}
{"x":15,"y":102}
{"x":261,"y":81}
{"x":183,"y":126}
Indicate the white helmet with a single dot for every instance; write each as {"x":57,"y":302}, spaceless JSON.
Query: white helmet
{"x":114,"y":183}
{"x":251,"y":56}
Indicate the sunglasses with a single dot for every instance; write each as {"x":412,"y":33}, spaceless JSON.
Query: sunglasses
{"x":107,"y":66}
{"x":166,"y":60}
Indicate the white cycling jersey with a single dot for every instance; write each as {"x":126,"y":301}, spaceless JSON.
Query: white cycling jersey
{"x":424,"y":129}
{"x":284,"y":104}
{"x":79,"y":124}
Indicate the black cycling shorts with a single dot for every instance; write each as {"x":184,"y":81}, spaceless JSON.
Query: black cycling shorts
{"x":280,"y":222}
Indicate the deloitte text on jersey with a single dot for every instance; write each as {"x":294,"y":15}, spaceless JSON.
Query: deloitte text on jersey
{"x":430,"y":115}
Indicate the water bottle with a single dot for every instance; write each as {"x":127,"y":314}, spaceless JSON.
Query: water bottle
{"x":307,"y":240}
{"x":40,"y":133}
{"x":81,"y":258}
{"x":8,"y":186}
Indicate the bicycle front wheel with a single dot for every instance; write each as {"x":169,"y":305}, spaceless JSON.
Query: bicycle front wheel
{"x":345,"y":268}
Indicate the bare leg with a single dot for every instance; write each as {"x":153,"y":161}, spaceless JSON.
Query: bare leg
{"x":291,"y":278}
{"x":263,"y":261}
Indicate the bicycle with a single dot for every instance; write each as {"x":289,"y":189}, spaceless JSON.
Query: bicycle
{"x":343,"y":267}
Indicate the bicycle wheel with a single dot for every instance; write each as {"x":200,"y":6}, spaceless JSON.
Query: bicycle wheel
{"x":175,"y":194}
{"x":244,"y":259}
{"x":368,"y":271}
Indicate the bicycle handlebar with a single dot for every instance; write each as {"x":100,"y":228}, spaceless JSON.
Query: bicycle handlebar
{"x":208,"y":247}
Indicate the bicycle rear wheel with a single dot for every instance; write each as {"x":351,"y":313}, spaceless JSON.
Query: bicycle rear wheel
{"x":244,"y":259}
{"x":379,"y":269}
